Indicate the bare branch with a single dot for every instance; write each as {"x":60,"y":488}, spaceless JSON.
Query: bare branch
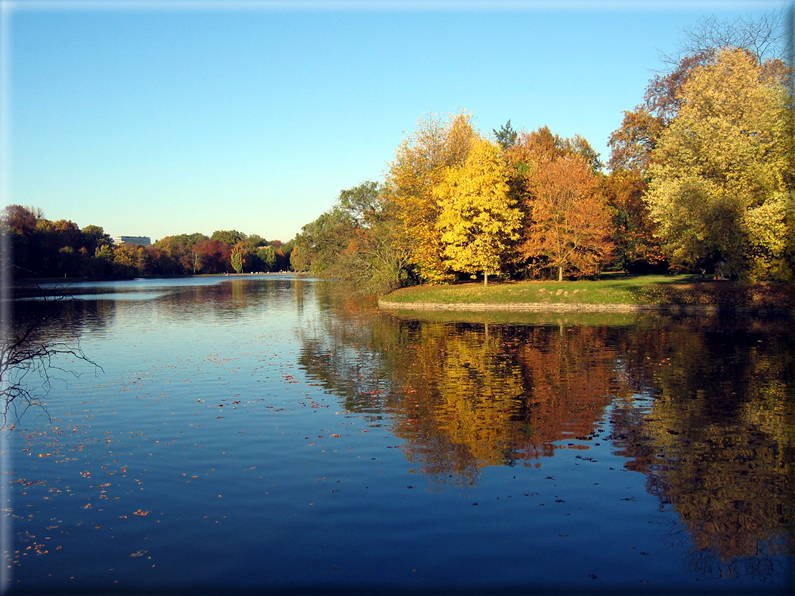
{"x":29,"y":359}
{"x":765,"y":38}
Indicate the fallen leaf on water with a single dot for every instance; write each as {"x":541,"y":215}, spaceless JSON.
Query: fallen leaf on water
{"x":140,"y":512}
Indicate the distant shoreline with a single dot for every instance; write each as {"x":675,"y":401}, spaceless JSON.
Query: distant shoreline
{"x":32,"y":281}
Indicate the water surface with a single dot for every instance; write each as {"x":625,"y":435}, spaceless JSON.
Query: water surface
{"x":275,"y":434}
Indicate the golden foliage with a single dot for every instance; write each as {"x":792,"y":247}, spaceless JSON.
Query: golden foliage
{"x":420,"y":163}
{"x":478,"y":219}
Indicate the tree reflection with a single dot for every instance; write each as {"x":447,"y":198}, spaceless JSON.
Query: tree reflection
{"x":716,"y":440}
{"x":464,"y":396}
{"x":703,"y":407}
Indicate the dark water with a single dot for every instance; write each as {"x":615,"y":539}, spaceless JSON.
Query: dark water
{"x":275,"y":435}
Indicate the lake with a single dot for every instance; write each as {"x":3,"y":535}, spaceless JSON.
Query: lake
{"x":273,"y":434}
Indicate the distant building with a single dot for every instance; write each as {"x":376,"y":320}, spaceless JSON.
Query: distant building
{"x":142,"y":240}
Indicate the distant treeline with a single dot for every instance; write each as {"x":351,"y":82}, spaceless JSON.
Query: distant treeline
{"x":39,"y":248}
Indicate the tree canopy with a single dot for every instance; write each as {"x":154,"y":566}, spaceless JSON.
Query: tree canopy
{"x":719,"y":173}
{"x":478,"y":219}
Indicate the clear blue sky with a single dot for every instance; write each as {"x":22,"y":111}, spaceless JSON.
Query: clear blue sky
{"x":160,"y":118}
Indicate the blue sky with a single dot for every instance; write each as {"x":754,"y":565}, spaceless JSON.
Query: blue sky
{"x":160,"y":118}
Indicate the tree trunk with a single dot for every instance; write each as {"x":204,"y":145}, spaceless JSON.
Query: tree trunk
{"x":560,"y":273}
{"x":485,"y":278}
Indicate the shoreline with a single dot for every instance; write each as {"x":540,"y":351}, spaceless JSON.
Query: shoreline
{"x":706,"y":309}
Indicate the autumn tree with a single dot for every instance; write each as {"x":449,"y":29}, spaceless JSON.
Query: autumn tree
{"x":212,"y":256}
{"x":284,"y":251}
{"x":640,"y":132}
{"x":478,"y":218}
{"x":632,"y":143}
{"x":635,"y":233}
{"x":420,"y":163}
{"x":131,"y":259}
{"x":18,"y":228}
{"x":763,"y":38}
{"x":637,"y":248}
{"x":542,"y":144}
{"x":720,"y":171}
{"x":176,"y":253}
{"x":569,"y":225}
{"x":528,"y":163}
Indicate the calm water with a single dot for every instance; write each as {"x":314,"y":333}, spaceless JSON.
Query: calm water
{"x":274,"y":434}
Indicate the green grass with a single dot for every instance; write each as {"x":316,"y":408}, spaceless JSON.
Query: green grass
{"x":610,"y":289}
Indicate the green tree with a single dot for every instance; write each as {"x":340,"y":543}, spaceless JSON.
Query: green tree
{"x":229,"y":237}
{"x":68,"y":260}
{"x":478,"y":220}
{"x":267,"y":256}
{"x":238,"y":257}
{"x":506,"y":136}
{"x":256,"y":240}
{"x":94,"y":237}
{"x":357,"y":241}
{"x":720,"y":181}
{"x":322,"y":241}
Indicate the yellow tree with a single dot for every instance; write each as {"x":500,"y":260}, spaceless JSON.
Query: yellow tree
{"x":478,"y":218}
{"x":419,"y":164}
{"x":569,"y":225}
{"x":719,"y":173}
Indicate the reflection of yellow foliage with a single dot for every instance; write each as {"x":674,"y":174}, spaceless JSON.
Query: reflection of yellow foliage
{"x":480,"y":396}
{"x":715,"y":440}
{"x":489,"y":395}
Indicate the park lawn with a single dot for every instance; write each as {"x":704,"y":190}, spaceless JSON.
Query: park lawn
{"x":611,"y":288}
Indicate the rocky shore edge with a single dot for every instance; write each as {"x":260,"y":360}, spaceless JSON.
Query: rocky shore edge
{"x":560,"y":307}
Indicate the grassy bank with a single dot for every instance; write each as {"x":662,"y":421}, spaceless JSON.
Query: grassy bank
{"x":611,"y":289}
